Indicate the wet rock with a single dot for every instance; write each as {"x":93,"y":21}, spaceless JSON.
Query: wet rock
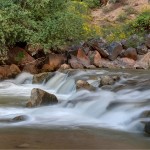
{"x":147,"y":43}
{"x":147,"y":128}
{"x":114,"y":49}
{"x":39,"y":78}
{"x":39,"y":97}
{"x":130,"y":53}
{"x":144,"y":62}
{"x":108,"y":80}
{"x":81,"y":84}
{"x":19,"y":118}
{"x":65,"y":67}
{"x":142,"y":49}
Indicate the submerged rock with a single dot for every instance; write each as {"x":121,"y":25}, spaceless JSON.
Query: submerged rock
{"x":39,"y":97}
{"x":19,"y":118}
{"x":81,"y":84}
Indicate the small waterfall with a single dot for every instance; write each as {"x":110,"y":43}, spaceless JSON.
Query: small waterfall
{"x":120,"y":110}
{"x":56,"y":81}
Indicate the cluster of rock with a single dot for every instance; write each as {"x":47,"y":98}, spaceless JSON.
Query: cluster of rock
{"x":124,"y":54}
{"x":95,"y":53}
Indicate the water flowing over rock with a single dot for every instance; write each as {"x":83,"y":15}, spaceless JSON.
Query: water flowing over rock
{"x":39,"y":98}
{"x":19,"y":118}
{"x":39,"y":78}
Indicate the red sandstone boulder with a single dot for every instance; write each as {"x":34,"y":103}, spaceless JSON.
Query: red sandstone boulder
{"x":9,"y":71}
{"x":54,"y":62}
{"x":83,"y":58}
{"x":75,"y":63}
{"x":130,"y":53}
{"x":19,"y":56}
{"x":97,"y":59}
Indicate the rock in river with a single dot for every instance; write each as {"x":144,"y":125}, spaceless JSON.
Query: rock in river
{"x":39,"y":97}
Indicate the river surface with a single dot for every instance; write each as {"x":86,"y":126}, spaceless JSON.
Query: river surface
{"x":110,"y":117}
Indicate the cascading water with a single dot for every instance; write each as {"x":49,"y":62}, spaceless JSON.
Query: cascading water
{"x":119,"y":109}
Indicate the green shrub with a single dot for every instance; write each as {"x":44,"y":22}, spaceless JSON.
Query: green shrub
{"x":141,"y":23}
{"x":122,"y":17}
{"x":50,"y":23}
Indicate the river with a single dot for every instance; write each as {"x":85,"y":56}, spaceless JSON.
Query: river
{"x":106,"y":118}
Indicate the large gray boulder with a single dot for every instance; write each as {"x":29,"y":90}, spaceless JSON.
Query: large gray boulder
{"x":39,"y":97}
{"x":114,"y":49}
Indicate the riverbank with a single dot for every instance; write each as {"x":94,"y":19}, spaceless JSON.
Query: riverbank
{"x":81,"y":138}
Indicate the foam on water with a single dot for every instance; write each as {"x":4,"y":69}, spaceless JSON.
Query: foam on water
{"x":103,"y":108}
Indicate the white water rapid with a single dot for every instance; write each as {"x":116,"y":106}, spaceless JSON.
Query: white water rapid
{"x":117,"y":109}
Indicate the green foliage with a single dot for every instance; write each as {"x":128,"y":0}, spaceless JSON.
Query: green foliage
{"x":122,"y":17}
{"x":90,"y":3}
{"x":130,"y":10}
{"x":139,"y":26}
{"x":49,"y":22}
{"x":141,"y":23}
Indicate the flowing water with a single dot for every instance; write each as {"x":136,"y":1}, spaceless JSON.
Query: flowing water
{"x":119,"y":107}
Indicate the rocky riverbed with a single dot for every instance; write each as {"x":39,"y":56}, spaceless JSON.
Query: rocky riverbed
{"x":81,"y":105}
